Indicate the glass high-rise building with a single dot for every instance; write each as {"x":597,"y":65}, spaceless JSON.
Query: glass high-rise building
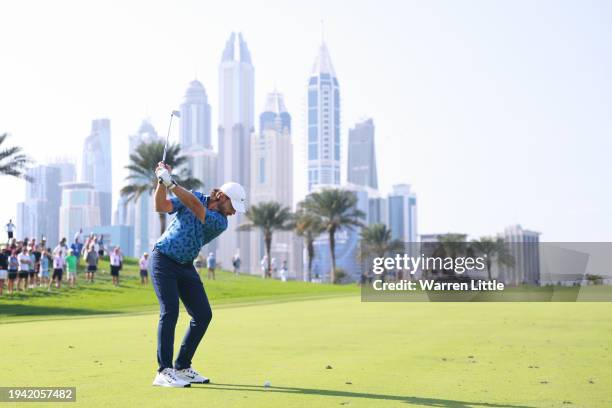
{"x":272,"y":180}
{"x":362,"y":155}
{"x":79,"y":210}
{"x":195,"y":117}
{"x":402,"y":213}
{"x":96,"y":166}
{"x":38,"y":215}
{"x":236,"y":123}
{"x":323,"y":122}
{"x":139,"y":214}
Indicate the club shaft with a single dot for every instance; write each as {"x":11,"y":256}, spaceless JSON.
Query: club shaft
{"x":167,"y":138}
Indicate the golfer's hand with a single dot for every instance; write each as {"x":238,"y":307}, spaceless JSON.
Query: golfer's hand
{"x":164,"y":177}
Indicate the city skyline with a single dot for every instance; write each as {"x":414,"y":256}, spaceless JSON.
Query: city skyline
{"x":548,"y":193}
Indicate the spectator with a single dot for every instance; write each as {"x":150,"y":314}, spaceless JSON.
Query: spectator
{"x":32,"y":272}
{"x":92,"y":262}
{"x":211,"y":263}
{"x":273,"y":269}
{"x":144,"y":269}
{"x":77,"y":248}
{"x":264,"y":266}
{"x":283,"y":271}
{"x":37,"y":253}
{"x":78,"y":237}
{"x":96,"y":245}
{"x":85,"y":247}
{"x":58,"y":269}
{"x":61,"y":248}
{"x":71,"y":267}
{"x":236,"y":262}
{"x":13,"y":267}
{"x":3,"y":269}
{"x":10,"y":229}
{"x":24,"y":269}
{"x":115,"y":265}
{"x":101,"y":247}
{"x":44,"y":268}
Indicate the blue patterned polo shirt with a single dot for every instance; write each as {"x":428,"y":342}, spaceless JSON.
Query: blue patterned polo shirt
{"x":186,"y":235}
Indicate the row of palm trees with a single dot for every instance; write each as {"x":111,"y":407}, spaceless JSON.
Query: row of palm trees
{"x":327,"y":211}
{"x":324,"y":212}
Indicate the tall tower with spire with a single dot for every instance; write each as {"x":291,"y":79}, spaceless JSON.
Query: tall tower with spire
{"x":236,"y":123}
{"x":323,"y":122}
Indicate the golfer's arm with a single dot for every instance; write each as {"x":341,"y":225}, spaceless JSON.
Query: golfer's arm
{"x":162,"y":204}
{"x":190,"y":201}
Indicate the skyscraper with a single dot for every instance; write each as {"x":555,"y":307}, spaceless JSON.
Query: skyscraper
{"x":195,"y":141}
{"x":80,"y":208}
{"x":402,"y":214}
{"x":195,"y":117}
{"x":323,"y":122}
{"x":272,"y":180}
{"x":96,"y":167}
{"x":362,"y":155}
{"x":139,"y":214}
{"x":38,"y":215}
{"x":194,"y":135}
{"x":236,"y":116}
{"x":67,"y":170}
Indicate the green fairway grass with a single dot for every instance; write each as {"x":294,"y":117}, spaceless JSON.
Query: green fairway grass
{"x":102,"y":297}
{"x":381,"y":355}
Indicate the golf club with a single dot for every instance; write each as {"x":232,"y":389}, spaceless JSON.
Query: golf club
{"x":178,"y":115}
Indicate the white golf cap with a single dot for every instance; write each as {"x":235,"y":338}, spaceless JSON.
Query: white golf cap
{"x":236,"y":194}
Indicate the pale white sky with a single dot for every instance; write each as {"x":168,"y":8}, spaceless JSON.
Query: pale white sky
{"x":497,"y":112}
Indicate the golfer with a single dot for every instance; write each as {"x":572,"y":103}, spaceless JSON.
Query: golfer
{"x":199,"y":219}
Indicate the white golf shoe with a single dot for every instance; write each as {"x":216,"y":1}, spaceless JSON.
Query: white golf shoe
{"x":191,"y":376}
{"x":168,"y":378}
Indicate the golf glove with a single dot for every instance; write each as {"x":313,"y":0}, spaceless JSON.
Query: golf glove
{"x":164,"y":177}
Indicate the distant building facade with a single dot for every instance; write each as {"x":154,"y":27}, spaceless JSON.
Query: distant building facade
{"x":362,"y":155}
{"x":38,"y":215}
{"x":323,"y":118}
{"x":97,"y":166}
{"x":80,"y":208}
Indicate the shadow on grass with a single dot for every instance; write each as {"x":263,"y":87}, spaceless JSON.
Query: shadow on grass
{"x":430,"y":402}
{"x":8,"y":311}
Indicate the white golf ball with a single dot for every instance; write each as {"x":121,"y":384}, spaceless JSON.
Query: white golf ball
{"x":267,"y":383}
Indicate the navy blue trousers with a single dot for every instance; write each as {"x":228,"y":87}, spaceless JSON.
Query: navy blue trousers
{"x":171,"y":281}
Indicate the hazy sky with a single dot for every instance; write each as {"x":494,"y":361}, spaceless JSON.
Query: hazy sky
{"x":497,"y":112}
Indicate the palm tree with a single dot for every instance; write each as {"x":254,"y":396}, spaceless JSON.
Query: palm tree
{"x":376,"y":241}
{"x":491,"y":247}
{"x":13,"y":161}
{"x":142,"y":178}
{"x":309,"y":227}
{"x":267,"y":216}
{"x":337,"y":209}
